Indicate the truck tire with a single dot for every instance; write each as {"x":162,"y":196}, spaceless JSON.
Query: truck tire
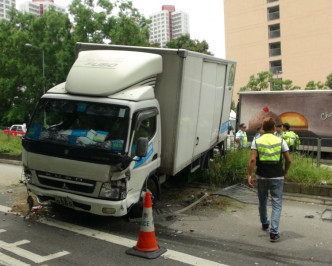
{"x":153,"y":187}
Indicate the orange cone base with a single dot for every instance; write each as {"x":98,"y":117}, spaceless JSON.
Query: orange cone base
{"x":146,"y":254}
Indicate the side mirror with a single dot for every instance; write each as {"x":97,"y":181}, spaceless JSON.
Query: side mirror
{"x":142,"y":147}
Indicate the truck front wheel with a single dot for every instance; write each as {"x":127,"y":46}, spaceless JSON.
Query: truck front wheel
{"x":152,"y":186}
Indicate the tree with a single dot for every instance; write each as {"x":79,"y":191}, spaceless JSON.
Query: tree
{"x":127,"y":27}
{"x":184,"y":42}
{"x":21,"y":76}
{"x":265,"y":79}
{"x":329,"y":81}
{"x":311,"y":85}
{"x":261,"y":82}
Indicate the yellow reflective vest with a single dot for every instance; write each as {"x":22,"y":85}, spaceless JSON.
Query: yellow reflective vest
{"x":269,"y":160}
{"x":291,"y":138}
{"x":243,"y":139}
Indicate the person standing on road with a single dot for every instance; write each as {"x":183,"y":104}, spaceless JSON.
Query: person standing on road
{"x":267,"y":153}
{"x":241,"y":137}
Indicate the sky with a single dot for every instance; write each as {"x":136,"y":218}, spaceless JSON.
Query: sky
{"x":206,"y":18}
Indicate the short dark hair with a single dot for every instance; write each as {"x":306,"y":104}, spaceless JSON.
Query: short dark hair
{"x":268,"y":124}
{"x":242,"y":125}
{"x":278,"y":125}
{"x":286,"y":125}
{"x":258,"y":128}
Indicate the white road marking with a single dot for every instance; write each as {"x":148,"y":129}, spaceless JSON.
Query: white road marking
{"x":9,"y":261}
{"x":13,"y":248}
{"x":169,"y":254}
{"x":4,"y":208}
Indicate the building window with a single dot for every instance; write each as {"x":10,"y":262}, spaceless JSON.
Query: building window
{"x":273,"y":13}
{"x":274,"y":31}
{"x":276,"y":66}
{"x":270,"y":1}
{"x":274,"y":49}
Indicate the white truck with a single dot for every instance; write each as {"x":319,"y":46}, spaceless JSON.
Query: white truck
{"x":125,"y":119}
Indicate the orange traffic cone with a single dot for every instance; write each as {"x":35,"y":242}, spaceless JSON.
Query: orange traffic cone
{"x":147,"y":246}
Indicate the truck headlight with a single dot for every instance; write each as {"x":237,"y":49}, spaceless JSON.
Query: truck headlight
{"x":27,"y":174}
{"x":116,"y":190}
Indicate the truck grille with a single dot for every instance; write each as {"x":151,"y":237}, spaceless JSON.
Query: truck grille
{"x":67,"y":183}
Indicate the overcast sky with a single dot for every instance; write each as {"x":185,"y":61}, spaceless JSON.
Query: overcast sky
{"x":206,"y":18}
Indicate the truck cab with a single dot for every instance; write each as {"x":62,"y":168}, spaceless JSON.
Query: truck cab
{"x":81,"y":147}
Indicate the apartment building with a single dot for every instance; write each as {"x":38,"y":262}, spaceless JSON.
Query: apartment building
{"x":292,"y":39}
{"x":37,"y":7}
{"x":167,"y":25}
{"x":5,"y":6}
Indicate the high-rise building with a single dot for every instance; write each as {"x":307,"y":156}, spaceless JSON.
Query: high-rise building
{"x":292,"y":39}
{"x":5,"y":6}
{"x":167,"y":25}
{"x":37,"y":7}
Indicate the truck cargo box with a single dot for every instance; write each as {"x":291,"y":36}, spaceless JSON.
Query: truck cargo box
{"x":194,"y":92}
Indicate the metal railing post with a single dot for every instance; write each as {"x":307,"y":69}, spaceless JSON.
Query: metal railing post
{"x":319,"y":146}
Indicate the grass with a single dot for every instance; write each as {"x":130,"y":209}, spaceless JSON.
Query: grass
{"x":304,"y":170}
{"x":11,"y":145}
{"x":234,"y":168}
{"x":224,"y":171}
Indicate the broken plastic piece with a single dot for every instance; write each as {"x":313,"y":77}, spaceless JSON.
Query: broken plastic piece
{"x":36,"y":208}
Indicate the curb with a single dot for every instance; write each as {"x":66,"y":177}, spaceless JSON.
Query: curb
{"x":14,"y":162}
{"x":303,"y":189}
{"x":308,"y":198}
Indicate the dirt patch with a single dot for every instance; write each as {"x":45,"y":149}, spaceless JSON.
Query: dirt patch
{"x":174,"y":198}
{"x":179,"y":197}
{"x":20,"y":205}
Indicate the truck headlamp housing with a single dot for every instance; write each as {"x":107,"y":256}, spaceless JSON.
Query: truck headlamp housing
{"x":27,"y":174}
{"x":116,"y":190}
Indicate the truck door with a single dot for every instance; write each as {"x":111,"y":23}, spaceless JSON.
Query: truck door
{"x":211,"y":98}
{"x":227,"y":100}
{"x":147,"y":125}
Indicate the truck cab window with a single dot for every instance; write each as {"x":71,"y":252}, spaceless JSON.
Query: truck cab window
{"x":147,"y":129}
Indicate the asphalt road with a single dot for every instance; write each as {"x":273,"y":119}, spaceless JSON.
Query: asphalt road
{"x":201,"y":237}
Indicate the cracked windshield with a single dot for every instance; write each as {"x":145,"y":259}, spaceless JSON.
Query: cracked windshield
{"x":80,"y":124}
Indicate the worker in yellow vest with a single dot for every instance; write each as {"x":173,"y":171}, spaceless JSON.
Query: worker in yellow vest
{"x":267,"y":153}
{"x":291,"y":138}
{"x":241,"y":136}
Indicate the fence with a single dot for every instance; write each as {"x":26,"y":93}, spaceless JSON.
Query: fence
{"x":319,"y":149}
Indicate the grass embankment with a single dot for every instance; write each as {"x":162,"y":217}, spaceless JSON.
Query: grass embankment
{"x":225,"y":171}
{"x":234,"y":168}
{"x":11,"y":145}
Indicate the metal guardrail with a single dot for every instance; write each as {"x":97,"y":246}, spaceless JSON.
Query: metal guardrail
{"x":313,"y":147}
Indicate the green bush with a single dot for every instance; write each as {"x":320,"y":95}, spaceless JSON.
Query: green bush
{"x":304,"y":170}
{"x":234,"y":169}
{"x":231,"y":169}
{"x":11,"y":144}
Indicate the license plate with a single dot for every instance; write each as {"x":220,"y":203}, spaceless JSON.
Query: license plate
{"x":67,"y":202}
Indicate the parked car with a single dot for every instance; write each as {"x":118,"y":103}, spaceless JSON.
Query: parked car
{"x":16,"y":130}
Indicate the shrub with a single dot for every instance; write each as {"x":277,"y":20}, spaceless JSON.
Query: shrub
{"x":231,"y":169}
{"x":234,"y":169}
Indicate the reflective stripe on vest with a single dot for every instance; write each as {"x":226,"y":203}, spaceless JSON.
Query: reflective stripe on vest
{"x":269,"y":148}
